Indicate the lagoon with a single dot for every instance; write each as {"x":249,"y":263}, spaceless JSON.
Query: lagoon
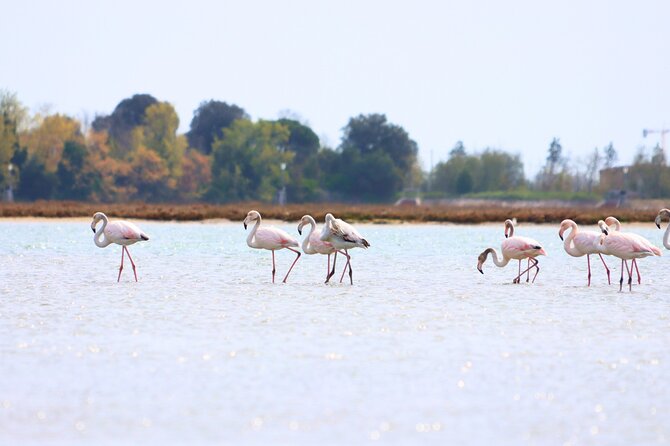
{"x":421,"y":349}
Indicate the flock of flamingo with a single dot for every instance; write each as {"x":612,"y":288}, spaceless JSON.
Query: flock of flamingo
{"x":338,"y":236}
{"x":609,"y":241}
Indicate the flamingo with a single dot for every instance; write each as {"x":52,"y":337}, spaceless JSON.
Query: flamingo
{"x":271,"y":239}
{"x":342,"y":236}
{"x":664,"y":213}
{"x":514,"y":248}
{"x":509,"y":232}
{"x":613,"y":222}
{"x":312,"y":243}
{"x":121,"y":232}
{"x":626,"y":246}
{"x":579,"y":243}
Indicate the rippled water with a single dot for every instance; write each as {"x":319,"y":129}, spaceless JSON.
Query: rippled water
{"x":421,"y":349}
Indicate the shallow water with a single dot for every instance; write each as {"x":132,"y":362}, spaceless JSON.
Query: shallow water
{"x":421,"y":349}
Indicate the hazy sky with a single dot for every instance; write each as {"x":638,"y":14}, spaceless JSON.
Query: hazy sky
{"x":506,"y":74}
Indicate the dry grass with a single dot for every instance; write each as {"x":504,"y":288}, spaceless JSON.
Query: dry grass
{"x":293,"y":212}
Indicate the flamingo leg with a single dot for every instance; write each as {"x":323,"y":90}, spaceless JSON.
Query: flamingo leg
{"x":528,"y":271}
{"x":123,"y":250}
{"x":588,"y":264}
{"x":639,"y":278}
{"x":331,"y":273}
{"x":328,"y":268}
{"x":621,"y":279}
{"x":630,"y":275}
{"x":131,"y":262}
{"x":273,"y":266}
{"x":537,"y":269}
{"x":516,"y":279}
{"x":609,"y":282}
{"x":296,"y":259}
{"x":351,"y":274}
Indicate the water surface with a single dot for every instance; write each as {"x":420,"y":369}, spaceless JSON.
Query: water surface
{"x":421,"y":349}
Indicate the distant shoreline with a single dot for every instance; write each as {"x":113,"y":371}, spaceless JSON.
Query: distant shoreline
{"x":492,"y":211}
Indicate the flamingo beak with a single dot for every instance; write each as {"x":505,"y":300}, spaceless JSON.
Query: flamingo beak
{"x":658,"y":226}
{"x":607,"y":233}
{"x":561,"y":236}
{"x":245,"y":225}
{"x":93,"y":229}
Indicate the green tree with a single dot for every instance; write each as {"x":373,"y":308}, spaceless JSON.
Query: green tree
{"x":13,"y":116}
{"x":249,"y":162}
{"x":303,"y":171}
{"x":36,"y":182}
{"x":209,"y":121}
{"x":76,"y":177}
{"x":128,"y":114}
{"x":368,"y":139}
{"x":160,"y":135}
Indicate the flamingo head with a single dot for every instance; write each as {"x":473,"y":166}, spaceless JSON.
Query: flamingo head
{"x":565,"y":224}
{"x":540,"y":250}
{"x":509,"y":228}
{"x":96,"y":218}
{"x":603,"y":228}
{"x":481,"y":259}
{"x":613,"y":221}
{"x":305,"y":220}
{"x":252,"y":216}
{"x":662,"y":213}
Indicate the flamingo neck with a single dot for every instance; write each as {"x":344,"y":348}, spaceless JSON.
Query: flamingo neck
{"x":98,"y":238}
{"x":666,"y":236}
{"x":306,"y":245}
{"x":568,"y":245}
{"x":494,"y":256}
{"x":252,"y":234}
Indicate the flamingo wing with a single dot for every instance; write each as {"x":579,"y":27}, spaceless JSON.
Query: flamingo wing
{"x":119,"y":231}
{"x":274,"y":238}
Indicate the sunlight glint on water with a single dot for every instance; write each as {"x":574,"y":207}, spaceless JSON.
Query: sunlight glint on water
{"x":422,"y":348}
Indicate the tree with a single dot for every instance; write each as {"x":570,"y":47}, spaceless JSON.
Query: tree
{"x":303,"y":171}
{"x":128,"y":114}
{"x":76,"y":177}
{"x":36,"y":182}
{"x":249,"y":162}
{"x":160,"y":135}
{"x":371,"y":137}
{"x":46,"y":141}
{"x":458,"y":150}
{"x":209,"y":121}
{"x":196,"y":175}
{"x":610,"y":155}
{"x":592,"y":168}
{"x":13,"y":116}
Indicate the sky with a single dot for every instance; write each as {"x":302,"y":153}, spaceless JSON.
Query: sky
{"x":502,"y":74}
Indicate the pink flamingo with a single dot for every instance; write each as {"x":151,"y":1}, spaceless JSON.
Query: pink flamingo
{"x":613,"y":222}
{"x":271,"y":239}
{"x":626,"y":246}
{"x":579,"y":243}
{"x":514,"y":248}
{"x":121,"y":232}
{"x":312,"y":243}
{"x":342,"y":236}
{"x":509,"y":232}
{"x":661,"y":214}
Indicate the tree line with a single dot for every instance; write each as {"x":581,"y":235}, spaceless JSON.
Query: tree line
{"x":137,"y":154}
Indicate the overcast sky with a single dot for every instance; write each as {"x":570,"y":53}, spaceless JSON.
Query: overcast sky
{"x":505,"y":74}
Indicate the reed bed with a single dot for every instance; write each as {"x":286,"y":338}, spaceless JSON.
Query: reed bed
{"x":362,"y":213}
